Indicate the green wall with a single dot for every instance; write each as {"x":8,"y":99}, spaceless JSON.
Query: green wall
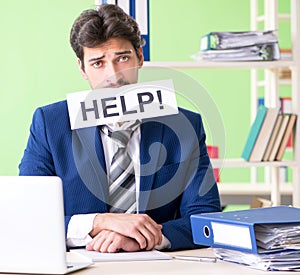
{"x":38,"y":66}
{"x":177,"y":37}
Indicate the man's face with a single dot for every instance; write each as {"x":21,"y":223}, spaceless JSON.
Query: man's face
{"x":111,"y":64}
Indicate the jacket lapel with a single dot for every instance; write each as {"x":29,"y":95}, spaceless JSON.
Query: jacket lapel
{"x":89,"y":160}
{"x":151,"y":136}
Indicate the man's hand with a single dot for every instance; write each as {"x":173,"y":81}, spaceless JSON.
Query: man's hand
{"x":111,"y":242}
{"x":139,"y":227}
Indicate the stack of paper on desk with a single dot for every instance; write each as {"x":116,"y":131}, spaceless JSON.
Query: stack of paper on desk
{"x":265,"y":238}
{"x":276,"y":261}
{"x":123,"y":256}
{"x":278,"y":236}
{"x":253,"y":230}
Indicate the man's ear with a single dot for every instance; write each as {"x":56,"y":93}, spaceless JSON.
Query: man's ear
{"x":141,"y":59}
{"x":81,"y":69}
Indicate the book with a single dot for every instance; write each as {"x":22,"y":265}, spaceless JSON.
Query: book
{"x":286,"y":108}
{"x":229,"y":40}
{"x":279,"y":136}
{"x":287,"y":133}
{"x":276,"y":128}
{"x":258,"y":230}
{"x":254,"y":131}
{"x":258,"y":202}
{"x":213,"y":152}
{"x":264,"y":134}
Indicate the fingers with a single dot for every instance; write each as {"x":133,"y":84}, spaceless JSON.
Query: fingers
{"x":110,"y":242}
{"x":139,"y":227}
{"x":146,"y":232}
{"x":150,"y":236}
{"x":105,"y":241}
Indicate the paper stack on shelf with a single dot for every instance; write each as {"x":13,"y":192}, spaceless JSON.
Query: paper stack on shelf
{"x":239,"y":46}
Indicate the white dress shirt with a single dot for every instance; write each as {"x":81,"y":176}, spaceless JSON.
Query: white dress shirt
{"x":81,"y":225}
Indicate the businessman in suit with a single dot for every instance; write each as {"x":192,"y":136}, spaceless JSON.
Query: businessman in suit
{"x":172,"y":176}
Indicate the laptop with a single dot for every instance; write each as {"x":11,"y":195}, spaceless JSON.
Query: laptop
{"x":32,"y":231}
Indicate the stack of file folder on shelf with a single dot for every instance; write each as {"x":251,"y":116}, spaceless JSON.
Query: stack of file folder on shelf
{"x":239,"y":46}
{"x":263,"y":238}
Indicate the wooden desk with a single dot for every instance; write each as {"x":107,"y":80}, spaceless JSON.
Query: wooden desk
{"x":173,"y":267}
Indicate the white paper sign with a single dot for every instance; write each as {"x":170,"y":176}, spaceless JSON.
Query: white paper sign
{"x":129,"y":102}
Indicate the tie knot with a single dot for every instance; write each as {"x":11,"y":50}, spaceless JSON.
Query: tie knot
{"x":122,"y":135}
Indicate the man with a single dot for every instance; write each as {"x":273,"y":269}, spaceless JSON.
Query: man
{"x":173,"y":177}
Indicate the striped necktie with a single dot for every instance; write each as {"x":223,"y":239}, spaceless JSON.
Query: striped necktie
{"x":122,"y":188}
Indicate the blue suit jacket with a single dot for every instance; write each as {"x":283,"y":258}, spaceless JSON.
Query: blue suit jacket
{"x":176,"y":176}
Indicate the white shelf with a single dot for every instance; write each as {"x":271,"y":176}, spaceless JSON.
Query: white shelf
{"x":271,"y":186}
{"x":241,"y":163}
{"x":286,"y":82}
{"x":252,"y":189}
{"x":281,"y":17}
{"x":224,"y":65}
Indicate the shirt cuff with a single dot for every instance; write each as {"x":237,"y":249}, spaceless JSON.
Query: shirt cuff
{"x":165,"y":244}
{"x":79,"y":228}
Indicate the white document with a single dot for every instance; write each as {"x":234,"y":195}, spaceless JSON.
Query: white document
{"x":128,"y":102}
{"x":123,"y":256}
{"x":288,"y":260}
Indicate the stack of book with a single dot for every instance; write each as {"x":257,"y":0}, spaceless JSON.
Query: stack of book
{"x":263,"y":238}
{"x":285,"y":72}
{"x":213,"y":152}
{"x":239,"y":46}
{"x":269,"y":135}
{"x":285,"y":103}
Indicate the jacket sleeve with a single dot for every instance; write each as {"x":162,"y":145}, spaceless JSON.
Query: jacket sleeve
{"x":37,"y":159}
{"x":199,"y":196}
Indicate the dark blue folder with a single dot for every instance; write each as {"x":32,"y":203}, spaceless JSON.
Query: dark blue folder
{"x":236,"y":229}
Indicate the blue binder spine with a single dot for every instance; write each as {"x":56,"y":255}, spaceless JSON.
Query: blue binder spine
{"x":139,"y":10}
{"x":223,"y":234}
{"x":236,"y":229}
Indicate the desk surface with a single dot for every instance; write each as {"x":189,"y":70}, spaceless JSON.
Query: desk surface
{"x":173,"y":267}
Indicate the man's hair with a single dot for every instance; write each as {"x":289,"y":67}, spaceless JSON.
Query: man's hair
{"x":94,"y":27}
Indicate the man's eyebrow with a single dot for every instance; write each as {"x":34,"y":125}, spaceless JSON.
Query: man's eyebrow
{"x":116,"y":53}
{"x":124,"y":52}
{"x":96,"y":58}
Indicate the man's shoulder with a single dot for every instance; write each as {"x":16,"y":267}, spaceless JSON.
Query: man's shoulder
{"x":188,"y":113}
{"x":57,"y":109}
{"x":56,"y":106}
{"x":54,"y":113}
{"x":184,"y":114}
{"x":184,"y":121}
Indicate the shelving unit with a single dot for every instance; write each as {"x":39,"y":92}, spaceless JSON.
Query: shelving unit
{"x":271,"y":83}
{"x":271,"y":185}
{"x":272,"y":65}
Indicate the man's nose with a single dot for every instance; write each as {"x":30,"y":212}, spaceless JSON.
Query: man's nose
{"x":112,"y":75}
